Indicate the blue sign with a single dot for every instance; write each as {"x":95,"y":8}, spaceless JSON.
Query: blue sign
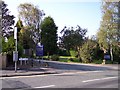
{"x":107,"y":57}
{"x":39,"y":50}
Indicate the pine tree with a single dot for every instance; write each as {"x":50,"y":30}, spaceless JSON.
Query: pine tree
{"x":7,"y":20}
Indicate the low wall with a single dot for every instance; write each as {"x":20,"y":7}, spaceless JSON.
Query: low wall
{"x":3,"y":60}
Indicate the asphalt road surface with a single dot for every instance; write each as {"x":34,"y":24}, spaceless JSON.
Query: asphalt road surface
{"x":76,"y":79}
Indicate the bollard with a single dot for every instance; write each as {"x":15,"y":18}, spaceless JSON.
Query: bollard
{"x":103,"y":61}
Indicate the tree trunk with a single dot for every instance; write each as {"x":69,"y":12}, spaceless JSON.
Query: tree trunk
{"x":119,"y":23}
{"x":104,"y":50}
{"x":78,"y":50}
{"x":111,"y":53}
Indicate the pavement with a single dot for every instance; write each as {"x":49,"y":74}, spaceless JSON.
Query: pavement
{"x":10,"y":71}
{"x":25,"y":71}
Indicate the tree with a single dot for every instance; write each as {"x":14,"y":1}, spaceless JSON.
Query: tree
{"x":49,"y":36}
{"x":0,"y":30}
{"x":31,"y":17}
{"x":7,"y":20}
{"x":118,"y":24}
{"x":19,"y":26}
{"x":89,"y":51}
{"x":8,"y":47}
{"x":25,"y":39}
{"x":72,"y":38}
{"x":109,"y":34}
{"x":6,"y":33}
{"x":25,"y":42}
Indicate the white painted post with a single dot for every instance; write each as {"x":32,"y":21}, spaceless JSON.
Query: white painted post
{"x":15,"y":37}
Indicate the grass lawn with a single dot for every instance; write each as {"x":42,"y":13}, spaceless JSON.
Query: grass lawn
{"x":101,"y":61}
{"x":68,"y":59}
{"x":76,"y":60}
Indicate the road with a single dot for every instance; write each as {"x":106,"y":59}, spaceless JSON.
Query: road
{"x":99,"y":77}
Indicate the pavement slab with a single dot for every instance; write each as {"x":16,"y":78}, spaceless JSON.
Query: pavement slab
{"x":26,"y":72}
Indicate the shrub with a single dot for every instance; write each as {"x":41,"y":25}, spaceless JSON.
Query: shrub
{"x":89,"y":51}
{"x":55,"y":57}
{"x":73,"y":53}
{"x":70,"y":59}
{"x":63,"y":52}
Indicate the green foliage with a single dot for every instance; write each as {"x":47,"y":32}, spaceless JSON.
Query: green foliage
{"x":31,"y":16}
{"x":72,"y":38}
{"x":88,"y":51}
{"x":116,"y":53}
{"x":73,"y":53}
{"x":97,"y":61}
{"x":70,"y":59}
{"x":109,"y":32}
{"x":25,"y":39}
{"x":8,"y":46}
{"x":55,"y":57}
{"x":20,"y":49}
{"x":19,"y":24}
{"x":100,"y":61}
{"x":49,"y":36}
{"x":63,"y":52}
{"x":1,"y":45}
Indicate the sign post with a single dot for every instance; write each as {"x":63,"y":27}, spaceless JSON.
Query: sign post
{"x":15,"y":58}
{"x":15,"y":53}
{"x":107,"y":57}
{"x":39,"y":50}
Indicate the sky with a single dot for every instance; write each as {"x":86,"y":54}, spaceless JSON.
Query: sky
{"x":85,"y":13}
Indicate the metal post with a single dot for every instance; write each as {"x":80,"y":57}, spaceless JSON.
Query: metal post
{"x":111,"y":52}
{"x":16,"y":50}
{"x":15,"y":66}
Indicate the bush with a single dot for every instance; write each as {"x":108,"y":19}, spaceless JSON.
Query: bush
{"x":73,"y":53}
{"x":63,"y":52}
{"x":55,"y":57}
{"x":97,"y":61}
{"x":70,"y":59}
{"x":89,"y":51}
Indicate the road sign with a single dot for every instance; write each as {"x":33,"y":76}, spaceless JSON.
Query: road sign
{"x":15,"y":55}
{"x":39,"y":50}
{"x":107,"y":57}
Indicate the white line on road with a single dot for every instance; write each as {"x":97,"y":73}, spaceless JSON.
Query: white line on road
{"x":99,"y":79}
{"x":45,"y":86}
{"x":90,"y":71}
{"x":79,"y":72}
{"x":23,"y":76}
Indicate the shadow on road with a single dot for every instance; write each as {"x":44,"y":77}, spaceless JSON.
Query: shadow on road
{"x":64,"y":66}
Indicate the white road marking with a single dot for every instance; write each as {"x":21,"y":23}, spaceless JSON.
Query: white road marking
{"x":23,"y":76}
{"x":99,"y":79}
{"x":45,"y":86}
{"x":90,"y":71}
{"x":79,"y":72}
{"x":109,"y":78}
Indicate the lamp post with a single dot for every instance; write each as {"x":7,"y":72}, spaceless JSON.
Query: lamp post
{"x":15,"y":53}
